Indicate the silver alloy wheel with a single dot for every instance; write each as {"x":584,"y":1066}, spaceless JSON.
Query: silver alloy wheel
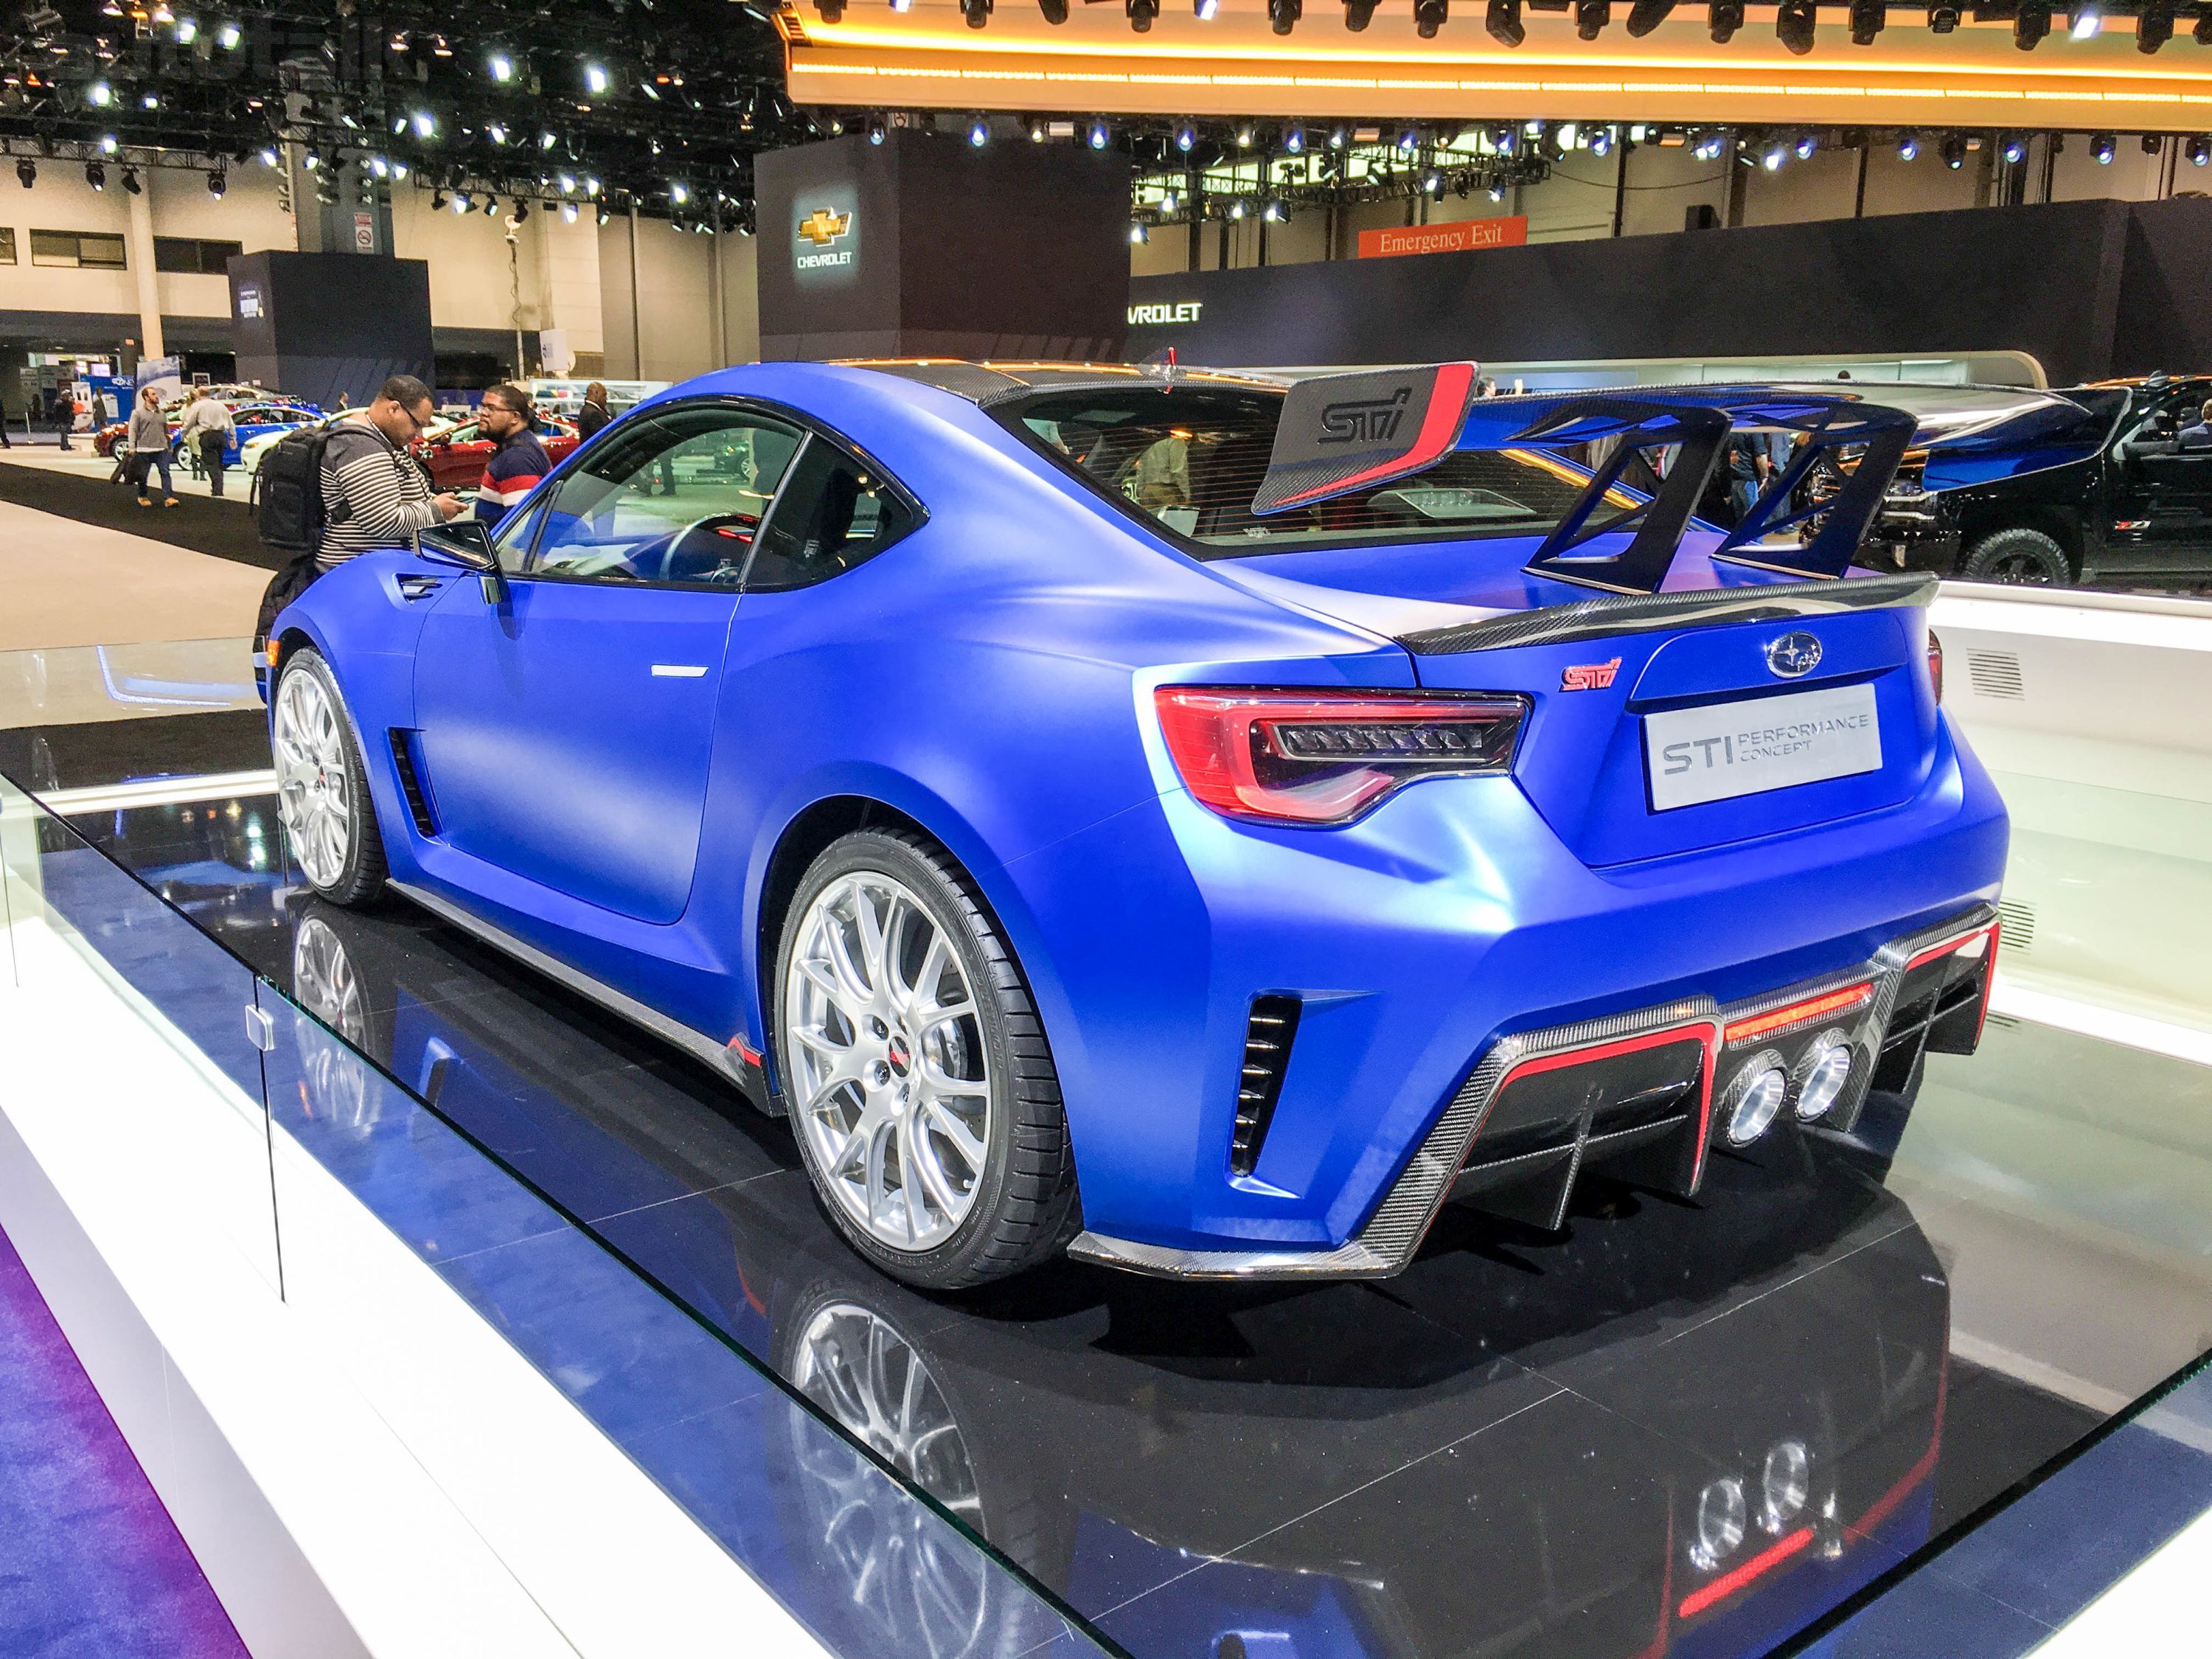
{"x":891,"y":1084}
{"x":313,"y":795}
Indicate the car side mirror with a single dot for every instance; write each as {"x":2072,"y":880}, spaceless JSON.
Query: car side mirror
{"x":466,"y":543}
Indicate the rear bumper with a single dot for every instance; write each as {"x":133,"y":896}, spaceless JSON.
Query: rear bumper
{"x":1925,"y":990}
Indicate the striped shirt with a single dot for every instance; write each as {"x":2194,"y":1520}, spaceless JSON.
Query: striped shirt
{"x":375,"y":493}
{"x":513,"y":470}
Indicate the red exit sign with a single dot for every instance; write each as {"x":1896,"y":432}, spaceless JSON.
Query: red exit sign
{"x":1511,"y":231}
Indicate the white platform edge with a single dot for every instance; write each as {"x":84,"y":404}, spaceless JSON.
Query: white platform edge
{"x":367,"y":1468}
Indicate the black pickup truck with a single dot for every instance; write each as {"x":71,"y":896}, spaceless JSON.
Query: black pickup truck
{"x":2090,"y":484}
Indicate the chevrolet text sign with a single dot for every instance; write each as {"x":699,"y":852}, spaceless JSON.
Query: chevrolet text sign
{"x":1509,"y":231}
{"x":1184,"y":311}
{"x":825,"y":235}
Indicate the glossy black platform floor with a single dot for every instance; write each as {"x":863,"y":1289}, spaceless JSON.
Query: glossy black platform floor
{"x":1688,"y":1428}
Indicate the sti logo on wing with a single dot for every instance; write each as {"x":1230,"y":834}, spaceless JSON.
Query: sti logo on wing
{"x":1588,"y":676}
{"x":1371,"y":420}
{"x":823,"y":226}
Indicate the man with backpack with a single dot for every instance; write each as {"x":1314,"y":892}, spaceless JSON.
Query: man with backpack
{"x":207,"y":434}
{"x":344,"y":486}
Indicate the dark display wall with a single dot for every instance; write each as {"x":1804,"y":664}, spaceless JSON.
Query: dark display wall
{"x":924,"y":246}
{"x":319,"y":325}
{"x":2090,"y":289}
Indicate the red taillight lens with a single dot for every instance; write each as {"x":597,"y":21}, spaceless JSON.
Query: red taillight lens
{"x":1322,"y":756}
{"x":1935,"y":664}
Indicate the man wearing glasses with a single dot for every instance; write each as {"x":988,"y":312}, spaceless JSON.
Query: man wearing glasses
{"x":518,"y":461}
{"x":376,"y":493}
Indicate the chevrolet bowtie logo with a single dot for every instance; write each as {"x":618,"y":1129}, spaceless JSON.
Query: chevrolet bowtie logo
{"x":823,"y":226}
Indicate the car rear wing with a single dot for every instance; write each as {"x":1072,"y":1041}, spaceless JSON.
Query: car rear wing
{"x":1340,"y":432}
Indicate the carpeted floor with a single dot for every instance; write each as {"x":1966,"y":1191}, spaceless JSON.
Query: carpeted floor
{"x":91,"y":1566}
{"x":223,"y":528}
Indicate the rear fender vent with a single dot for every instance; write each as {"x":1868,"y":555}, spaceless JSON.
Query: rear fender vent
{"x":410,"y":781}
{"x":1268,"y":1033}
{"x":2017,"y":933}
{"x":1996,"y":674}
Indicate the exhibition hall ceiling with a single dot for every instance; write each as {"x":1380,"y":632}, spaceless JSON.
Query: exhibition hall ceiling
{"x":1799,"y":64}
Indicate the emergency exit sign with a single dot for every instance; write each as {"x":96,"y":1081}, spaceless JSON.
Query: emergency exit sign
{"x":1507,"y":231}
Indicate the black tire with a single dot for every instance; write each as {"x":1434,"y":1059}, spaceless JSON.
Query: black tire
{"x":360,"y":876}
{"x":1027,"y":1190}
{"x":2026,"y":556}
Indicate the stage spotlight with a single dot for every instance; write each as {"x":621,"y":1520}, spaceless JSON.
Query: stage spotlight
{"x":1097,"y":135}
{"x":2154,"y":25}
{"x":1429,"y":16}
{"x":977,"y":12}
{"x":1244,"y":134}
{"x":1054,"y":12}
{"x":1283,"y":15}
{"x":1186,"y":136}
{"x":1908,"y":146}
{"x":595,"y":79}
{"x":1206,"y":11}
{"x":1601,"y":141}
{"x":1139,"y":234}
{"x":1646,"y":15}
{"x":2083,"y":20}
{"x":26,"y":171}
{"x":1955,"y":152}
{"x":438,"y":202}
{"x":2198,"y":150}
{"x":1294,"y":141}
{"x":2101,"y":148}
{"x":1708,"y":147}
{"x":1358,"y":14}
{"x":1142,"y":13}
{"x":521,"y":209}
{"x":131,"y":181}
{"x":100,"y":95}
{"x":1794,"y":21}
{"x":1409,"y":140}
{"x":1722,"y":19}
{"x":2014,"y":150}
{"x":1774,"y":156}
{"x":2153,"y":144}
{"x":461,"y":202}
{"x":2202,"y":33}
{"x":217,"y":184}
{"x":1504,"y":23}
{"x":1336,"y":136}
{"x":1868,"y":19}
{"x":95,"y":175}
{"x":1237,"y":208}
{"x":2030,"y":24}
{"x":875,"y":129}
{"x":1942,"y":19}
{"x":107,"y":144}
{"x":1169,"y":202}
{"x":1806,"y":143}
{"x":501,"y":67}
{"x":1590,"y":18}
{"x":979,"y":132}
{"x":227,"y":36}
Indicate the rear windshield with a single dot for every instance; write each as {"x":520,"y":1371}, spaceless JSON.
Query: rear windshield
{"x":1190,"y":458}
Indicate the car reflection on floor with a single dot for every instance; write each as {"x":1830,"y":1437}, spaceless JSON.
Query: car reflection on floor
{"x":1694,"y":1460}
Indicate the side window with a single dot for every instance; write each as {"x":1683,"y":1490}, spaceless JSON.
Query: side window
{"x":515,"y":538}
{"x":835,"y":515}
{"x":677,"y":499}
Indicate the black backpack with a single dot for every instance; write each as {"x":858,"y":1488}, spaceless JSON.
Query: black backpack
{"x":289,"y":513}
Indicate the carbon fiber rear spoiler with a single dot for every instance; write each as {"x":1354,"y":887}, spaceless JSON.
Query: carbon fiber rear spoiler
{"x":1340,"y":432}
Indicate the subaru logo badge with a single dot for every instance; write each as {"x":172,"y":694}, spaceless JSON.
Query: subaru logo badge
{"x":1794,"y":656}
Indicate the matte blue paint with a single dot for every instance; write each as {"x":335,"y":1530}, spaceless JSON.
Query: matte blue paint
{"x":990,"y":675}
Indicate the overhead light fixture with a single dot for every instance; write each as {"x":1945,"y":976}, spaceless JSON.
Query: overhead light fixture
{"x":227,"y":35}
{"x":501,"y":67}
{"x":26,"y":172}
{"x":977,"y":12}
{"x":438,"y":202}
{"x":1294,"y":140}
{"x":678,"y":192}
{"x":461,"y":204}
{"x":1908,"y":146}
{"x":1054,"y":12}
{"x":2014,"y":150}
{"x":107,"y":144}
{"x":1708,"y":147}
{"x":1868,"y":19}
{"x":875,"y":129}
{"x":1955,"y":152}
{"x":1205,"y":11}
{"x":2101,"y":148}
{"x":1429,"y":16}
{"x":979,"y":132}
{"x":1336,"y":136}
{"x":2084,"y":22}
{"x":1503,"y":22}
{"x":2202,"y":33}
{"x":546,"y":141}
{"x":1591,"y":17}
{"x":95,"y":175}
{"x":426,"y":124}
{"x":1794,"y":24}
{"x":217,"y":183}
{"x":1272,"y":213}
{"x":188,"y":30}
{"x":1244,"y":134}
{"x":1601,"y":141}
{"x":1169,"y":202}
{"x":1806,"y":143}
{"x":1186,"y":135}
{"x":2031,"y":23}
{"x":1774,"y":156}
{"x":1139,"y":234}
{"x":1283,"y":15}
{"x":1646,"y":15}
{"x":1237,"y":208}
{"x":2154,"y":25}
{"x":1722,"y":19}
{"x":1097,"y":135}
{"x":100,"y":95}
{"x":1358,"y":14}
{"x":595,"y":79}
{"x":1433,"y":183}
{"x":521,"y":209}
{"x":1409,"y":140}
{"x":495,"y":132}
{"x":1142,"y":13}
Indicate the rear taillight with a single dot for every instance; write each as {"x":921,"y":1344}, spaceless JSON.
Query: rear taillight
{"x":1935,"y":664}
{"x":1325,"y":756}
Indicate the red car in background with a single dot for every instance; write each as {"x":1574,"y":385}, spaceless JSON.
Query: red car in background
{"x":455,"y":459}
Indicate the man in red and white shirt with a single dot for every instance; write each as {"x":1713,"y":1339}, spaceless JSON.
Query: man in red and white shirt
{"x":516,"y":465}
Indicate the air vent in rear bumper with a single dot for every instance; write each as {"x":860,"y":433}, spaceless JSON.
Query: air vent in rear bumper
{"x":1268,"y":1033}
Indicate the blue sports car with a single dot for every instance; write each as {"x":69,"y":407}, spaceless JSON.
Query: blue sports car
{"x":1200,"y":825}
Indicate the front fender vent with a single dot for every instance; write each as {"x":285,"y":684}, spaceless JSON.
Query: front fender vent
{"x":1268,"y":1033}
{"x":410,"y":781}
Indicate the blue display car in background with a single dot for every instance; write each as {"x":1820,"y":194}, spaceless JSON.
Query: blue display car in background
{"x":1196,"y":824}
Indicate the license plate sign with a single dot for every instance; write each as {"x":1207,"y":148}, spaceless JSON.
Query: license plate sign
{"x":1722,"y":750}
